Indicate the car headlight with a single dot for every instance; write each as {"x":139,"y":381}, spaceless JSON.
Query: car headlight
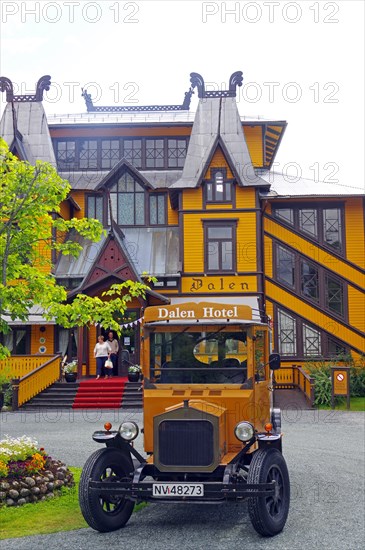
{"x":128,"y":430}
{"x":244,"y":431}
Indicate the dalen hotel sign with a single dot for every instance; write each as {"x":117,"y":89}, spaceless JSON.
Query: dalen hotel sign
{"x":201,"y":311}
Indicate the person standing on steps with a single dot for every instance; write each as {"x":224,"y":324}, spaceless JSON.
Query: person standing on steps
{"x":102,"y":352}
{"x":113,"y":343}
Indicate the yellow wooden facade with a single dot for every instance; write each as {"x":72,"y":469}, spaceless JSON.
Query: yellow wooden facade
{"x":257,"y":235}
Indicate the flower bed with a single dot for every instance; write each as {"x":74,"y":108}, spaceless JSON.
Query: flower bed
{"x":28,"y":474}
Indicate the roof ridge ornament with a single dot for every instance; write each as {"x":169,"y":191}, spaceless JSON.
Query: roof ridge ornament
{"x":6,"y":85}
{"x":197,"y":81}
{"x":91,"y":108}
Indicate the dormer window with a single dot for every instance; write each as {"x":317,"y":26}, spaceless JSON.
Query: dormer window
{"x":127,"y":198}
{"x":218,"y":189}
{"x":131,"y":202}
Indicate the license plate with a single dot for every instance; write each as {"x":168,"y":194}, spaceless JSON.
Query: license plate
{"x":172,"y":490}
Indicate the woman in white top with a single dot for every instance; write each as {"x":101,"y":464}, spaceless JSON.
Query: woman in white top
{"x":102,"y":352}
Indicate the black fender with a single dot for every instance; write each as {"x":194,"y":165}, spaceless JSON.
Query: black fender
{"x":114,"y":440}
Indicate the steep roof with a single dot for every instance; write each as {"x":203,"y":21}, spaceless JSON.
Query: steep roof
{"x":217,"y":123}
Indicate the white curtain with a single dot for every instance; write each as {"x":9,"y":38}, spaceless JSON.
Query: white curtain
{"x":63,"y":334}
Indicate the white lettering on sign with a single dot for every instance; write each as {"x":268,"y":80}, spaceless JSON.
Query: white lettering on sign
{"x":211,"y":313}
{"x":208,"y":313}
{"x":178,"y":313}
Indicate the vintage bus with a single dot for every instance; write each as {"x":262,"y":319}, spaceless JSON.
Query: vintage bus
{"x":210,"y":431}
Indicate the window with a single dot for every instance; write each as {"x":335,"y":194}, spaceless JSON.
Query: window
{"x":133,"y":152}
{"x":335,"y":349}
{"x":332,"y":229}
{"x":218,"y":190}
{"x":259,"y":355}
{"x":95,"y":207}
{"x":285,"y":214}
{"x":157,"y":209}
{"x":311,"y":281}
{"x":154,"y":153}
{"x":176,"y":152}
{"x":219,"y":247}
{"x":325,"y":225}
{"x":66,"y":155}
{"x":110,"y":153}
{"x":88,"y":154}
{"x":285,"y":265}
{"x":127,"y":199}
{"x":286,"y":334}
{"x":311,"y":341}
{"x":183,"y":357}
{"x":308,"y":221}
{"x":17,"y":341}
{"x":334,"y":295}
{"x":104,"y":153}
{"x":295,"y":337}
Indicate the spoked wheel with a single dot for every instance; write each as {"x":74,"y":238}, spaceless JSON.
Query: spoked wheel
{"x":268,"y":514}
{"x":107,"y":512}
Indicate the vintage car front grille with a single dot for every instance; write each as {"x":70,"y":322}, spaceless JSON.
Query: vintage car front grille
{"x":186,"y":442}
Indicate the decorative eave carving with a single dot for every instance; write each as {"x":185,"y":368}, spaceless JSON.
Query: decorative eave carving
{"x":197,"y":81}
{"x":6,"y":85}
{"x":91,"y":108}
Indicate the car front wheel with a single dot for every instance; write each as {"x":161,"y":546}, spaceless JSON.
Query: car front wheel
{"x":105,"y":512}
{"x":268,"y":514}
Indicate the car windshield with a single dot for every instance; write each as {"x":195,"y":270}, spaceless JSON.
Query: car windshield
{"x":198,"y":357}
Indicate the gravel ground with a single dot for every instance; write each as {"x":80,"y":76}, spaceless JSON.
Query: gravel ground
{"x":325,"y":455}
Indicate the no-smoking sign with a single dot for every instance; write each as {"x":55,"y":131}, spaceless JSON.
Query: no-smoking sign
{"x":340,"y":383}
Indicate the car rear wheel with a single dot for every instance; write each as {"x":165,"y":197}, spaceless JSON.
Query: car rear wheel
{"x":268,"y":514}
{"x":107,"y":512}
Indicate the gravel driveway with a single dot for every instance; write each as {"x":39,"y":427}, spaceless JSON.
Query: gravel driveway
{"x":325,"y":455}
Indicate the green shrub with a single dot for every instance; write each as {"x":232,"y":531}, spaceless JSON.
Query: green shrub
{"x":322,"y":383}
{"x":321,"y":372}
{"x":357,"y":381}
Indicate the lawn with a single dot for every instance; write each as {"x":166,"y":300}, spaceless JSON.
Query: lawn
{"x":59,"y":514}
{"x":356,"y":404}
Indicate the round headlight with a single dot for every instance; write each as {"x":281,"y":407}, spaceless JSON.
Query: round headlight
{"x":128,"y":430}
{"x":244,"y":431}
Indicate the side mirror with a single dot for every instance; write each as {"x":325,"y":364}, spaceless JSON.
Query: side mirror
{"x":274,"y":361}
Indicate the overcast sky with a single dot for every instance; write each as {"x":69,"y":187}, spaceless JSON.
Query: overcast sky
{"x":302,"y":62}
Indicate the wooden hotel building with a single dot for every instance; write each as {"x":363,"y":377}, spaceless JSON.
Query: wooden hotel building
{"x":190,"y":197}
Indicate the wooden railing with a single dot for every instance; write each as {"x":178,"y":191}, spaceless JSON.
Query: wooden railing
{"x":295,"y":377}
{"x":36,"y":381}
{"x":20,"y":365}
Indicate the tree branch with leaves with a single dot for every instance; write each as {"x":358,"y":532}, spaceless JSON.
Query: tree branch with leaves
{"x":30,"y":199}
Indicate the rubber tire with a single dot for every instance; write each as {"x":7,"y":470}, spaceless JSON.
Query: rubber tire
{"x":91,"y":507}
{"x":261,"y":471}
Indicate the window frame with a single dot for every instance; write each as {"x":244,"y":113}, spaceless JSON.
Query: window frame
{"x":142,"y":165}
{"x":300,"y":323}
{"x":157,"y":196}
{"x":226,"y":182}
{"x":147,"y":195}
{"x":232,"y":224}
{"x":318,"y":239}
{"x":322,"y":277}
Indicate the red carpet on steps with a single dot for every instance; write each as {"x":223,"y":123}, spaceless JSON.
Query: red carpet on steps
{"x":100,"y":394}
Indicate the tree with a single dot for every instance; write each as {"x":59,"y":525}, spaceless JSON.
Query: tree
{"x":30,"y":229}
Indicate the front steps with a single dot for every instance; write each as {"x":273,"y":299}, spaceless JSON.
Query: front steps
{"x":58,"y":396}
{"x":112,"y":393}
{"x":133,"y":396}
{"x":100,"y":394}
